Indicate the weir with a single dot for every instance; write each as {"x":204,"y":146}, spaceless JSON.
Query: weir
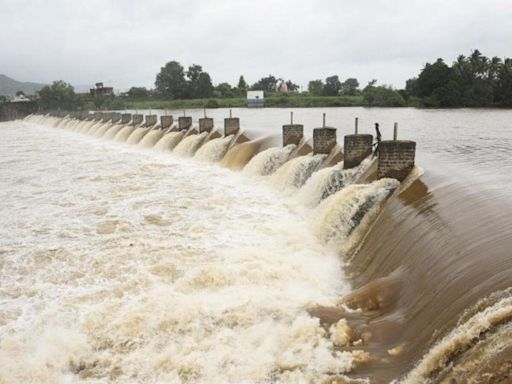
{"x":357,"y":147}
{"x":126,"y":118}
{"x":396,"y":159}
{"x":150,"y":120}
{"x":231,"y":125}
{"x":116,"y":117}
{"x":107,"y":116}
{"x":292,"y":133}
{"x":137,"y":119}
{"x":98,"y":116}
{"x":184,"y":122}
{"x":166,"y":121}
{"x":205,"y":124}
{"x":324,"y":140}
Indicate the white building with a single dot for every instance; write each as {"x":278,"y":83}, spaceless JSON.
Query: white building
{"x":255,"y":98}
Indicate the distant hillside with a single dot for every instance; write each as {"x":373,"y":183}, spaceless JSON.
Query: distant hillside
{"x":9,"y":87}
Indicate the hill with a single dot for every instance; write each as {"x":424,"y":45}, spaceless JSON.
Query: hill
{"x":9,"y":87}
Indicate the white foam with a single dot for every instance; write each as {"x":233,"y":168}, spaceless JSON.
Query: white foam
{"x":268,"y":161}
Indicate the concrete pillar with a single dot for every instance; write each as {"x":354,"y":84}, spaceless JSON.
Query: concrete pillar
{"x":396,"y":159}
{"x":356,"y":149}
{"x":166,"y":121}
{"x":98,"y":116}
{"x":151,"y":120}
{"x":107,"y":116}
{"x":324,"y":140}
{"x":184,"y":122}
{"x":292,"y":134}
{"x":137,"y":119}
{"x":116,"y":117}
{"x":205,"y":124}
{"x":126,"y":118}
{"x":231,"y":126}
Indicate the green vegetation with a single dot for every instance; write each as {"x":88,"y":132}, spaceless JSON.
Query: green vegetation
{"x":59,"y":95}
{"x":473,"y":81}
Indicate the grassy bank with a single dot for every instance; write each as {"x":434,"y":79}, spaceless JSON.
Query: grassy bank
{"x":283,"y":101}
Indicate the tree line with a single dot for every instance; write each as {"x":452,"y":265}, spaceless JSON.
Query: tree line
{"x":470,"y":81}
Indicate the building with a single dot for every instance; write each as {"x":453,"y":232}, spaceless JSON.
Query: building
{"x":100,"y":90}
{"x":255,"y":98}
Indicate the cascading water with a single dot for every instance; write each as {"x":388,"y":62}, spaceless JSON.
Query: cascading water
{"x":293,"y":174}
{"x":151,"y":138}
{"x":169,"y":141}
{"x":139,"y":276}
{"x":124,"y":133}
{"x":214,"y":150}
{"x":137,"y":135}
{"x":189,"y":145}
{"x":268,"y":161}
{"x":328,"y":181}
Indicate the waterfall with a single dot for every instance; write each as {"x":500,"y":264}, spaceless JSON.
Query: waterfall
{"x":151,"y":138}
{"x":189,"y":145}
{"x":214,"y":150}
{"x":169,"y":141}
{"x":137,"y":135}
{"x":268,"y":161}
{"x":293,"y":174}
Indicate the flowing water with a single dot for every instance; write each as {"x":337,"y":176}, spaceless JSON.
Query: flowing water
{"x":127,"y":263}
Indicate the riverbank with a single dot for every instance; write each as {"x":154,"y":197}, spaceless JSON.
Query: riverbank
{"x":279,"y":101}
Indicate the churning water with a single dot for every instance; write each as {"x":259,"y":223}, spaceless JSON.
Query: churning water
{"x":127,"y":263}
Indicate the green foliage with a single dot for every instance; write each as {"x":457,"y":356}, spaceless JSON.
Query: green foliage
{"x":138,"y":92}
{"x":20,"y":93}
{"x":472,"y":81}
{"x":242,"y":86}
{"x":59,"y":95}
{"x":381,"y":96}
{"x":350,"y":87}
{"x":332,"y":86}
{"x":204,"y":87}
{"x":292,"y":86}
{"x":224,"y":90}
{"x":170,"y":81}
{"x":267,"y":84}
{"x":316,"y":87}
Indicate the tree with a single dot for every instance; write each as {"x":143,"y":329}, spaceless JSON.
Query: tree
{"x":381,"y":96}
{"x":59,"y":95}
{"x":349,"y":87}
{"x":170,"y":81}
{"x":332,"y":86}
{"x":138,"y":92}
{"x":242,"y":86}
{"x":292,"y":86}
{"x":267,"y":84}
{"x":431,"y":77}
{"x":20,"y":93}
{"x":224,"y":90}
{"x":204,"y":87}
{"x":316,"y":87}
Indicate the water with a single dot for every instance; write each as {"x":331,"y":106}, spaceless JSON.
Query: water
{"x":123,"y":263}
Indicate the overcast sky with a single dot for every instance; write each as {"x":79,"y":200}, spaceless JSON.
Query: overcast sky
{"x":125,"y":42}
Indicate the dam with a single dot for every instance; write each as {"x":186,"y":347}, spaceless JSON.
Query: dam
{"x":153,"y":248}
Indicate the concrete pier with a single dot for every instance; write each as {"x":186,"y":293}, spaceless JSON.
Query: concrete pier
{"x":184,"y":122}
{"x":151,"y":120}
{"x":356,"y":149}
{"x":292,"y":134}
{"x":107,"y":116}
{"x":116,"y":117}
{"x":166,"y":121}
{"x":324,"y":140}
{"x":396,"y":159}
{"x":137,"y":119}
{"x":205,"y":124}
{"x":98,"y":116}
{"x":126,"y":118}
{"x":231,"y":126}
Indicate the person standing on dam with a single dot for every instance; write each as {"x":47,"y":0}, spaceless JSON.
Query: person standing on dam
{"x":378,"y":138}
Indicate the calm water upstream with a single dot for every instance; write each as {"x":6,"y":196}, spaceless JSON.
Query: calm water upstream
{"x":131,"y":256}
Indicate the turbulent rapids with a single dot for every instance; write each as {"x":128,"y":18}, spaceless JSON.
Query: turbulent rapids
{"x":136,"y":255}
